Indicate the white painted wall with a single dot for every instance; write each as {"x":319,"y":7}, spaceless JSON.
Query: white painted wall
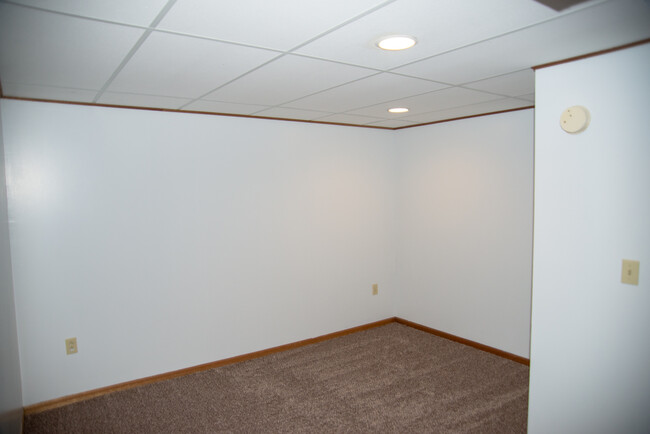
{"x":163,"y":241}
{"x":590,"y":346}
{"x":10,"y":387}
{"x":465,"y":228}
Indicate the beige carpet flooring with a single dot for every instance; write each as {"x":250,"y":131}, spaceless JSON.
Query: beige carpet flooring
{"x":387,"y":379}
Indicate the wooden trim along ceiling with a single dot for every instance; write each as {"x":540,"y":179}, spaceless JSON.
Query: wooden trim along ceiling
{"x":466,"y":117}
{"x":546,"y":65}
{"x":70,"y":399}
{"x":159,"y":109}
{"x":234,"y":115}
{"x":594,"y":54}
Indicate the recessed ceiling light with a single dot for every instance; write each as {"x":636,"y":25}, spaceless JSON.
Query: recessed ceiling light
{"x":398,"y":110}
{"x":398,"y":42}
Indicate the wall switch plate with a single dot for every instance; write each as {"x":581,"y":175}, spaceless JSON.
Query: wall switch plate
{"x":71,"y":346}
{"x":630,"y":272}
{"x":375,"y":289}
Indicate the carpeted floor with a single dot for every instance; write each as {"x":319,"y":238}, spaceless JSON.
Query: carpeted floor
{"x":388,"y":379}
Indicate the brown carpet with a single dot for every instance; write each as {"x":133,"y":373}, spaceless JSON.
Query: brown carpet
{"x":387,"y":379}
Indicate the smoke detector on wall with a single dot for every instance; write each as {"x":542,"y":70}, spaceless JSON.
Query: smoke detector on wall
{"x":575,"y":119}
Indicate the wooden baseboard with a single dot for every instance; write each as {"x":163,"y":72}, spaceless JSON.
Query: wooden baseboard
{"x":496,"y":351}
{"x":70,"y":399}
{"x":77,"y":397}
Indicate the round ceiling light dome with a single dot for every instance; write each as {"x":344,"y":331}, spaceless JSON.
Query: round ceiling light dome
{"x":398,"y":110}
{"x":396,"y":42}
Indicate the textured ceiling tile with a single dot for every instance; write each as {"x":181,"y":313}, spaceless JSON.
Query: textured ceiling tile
{"x":180,"y":66}
{"x":343,"y":118}
{"x":223,"y":107}
{"x":446,"y":98}
{"x":138,"y":12}
{"x":602,"y":26}
{"x":513,"y":84}
{"x":395,"y":123}
{"x":287,"y":113}
{"x":438,"y":26}
{"x":40,"y":48}
{"x":469,"y":110}
{"x":286,"y":79}
{"x":272,"y":24}
{"x":368,"y":91}
{"x":138,"y":100}
{"x":47,"y":92}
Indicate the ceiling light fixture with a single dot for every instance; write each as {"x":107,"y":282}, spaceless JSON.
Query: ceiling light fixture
{"x":396,"y":42}
{"x":398,"y":110}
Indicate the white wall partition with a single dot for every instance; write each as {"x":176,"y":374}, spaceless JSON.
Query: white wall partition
{"x":465,"y":228}
{"x":590,"y":352}
{"x":164,"y":240}
{"x":10,"y":386}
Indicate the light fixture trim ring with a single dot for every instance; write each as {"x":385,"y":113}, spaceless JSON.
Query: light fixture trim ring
{"x":396,"y":42}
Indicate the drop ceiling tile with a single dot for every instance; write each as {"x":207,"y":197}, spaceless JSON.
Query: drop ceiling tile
{"x":278,"y":25}
{"x":185,"y":67}
{"x":47,"y":92}
{"x":513,"y":84}
{"x":468,"y":110}
{"x":601,"y":26}
{"x":368,"y":91}
{"x":286,"y":113}
{"x":286,"y":79}
{"x":529,"y":97}
{"x":342,"y":118}
{"x":124,"y":11}
{"x":395,"y":123}
{"x":439,"y":26}
{"x":139,"y":100}
{"x":223,"y":107}
{"x":56,"y":50}
{"x":438,"y":100}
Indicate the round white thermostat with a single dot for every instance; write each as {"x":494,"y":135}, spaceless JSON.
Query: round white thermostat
{"x":575,"y":119}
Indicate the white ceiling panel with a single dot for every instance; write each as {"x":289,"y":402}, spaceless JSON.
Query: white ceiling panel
{"x":185,"y":67}
{"x":529,"y":97}
{"x":139,"y":100}
{"x":469,"y":110}
{"x":342,"y":118}
{"x":394,"y":123}
{"x":286,"y":113}
{"x":436,"y":24}
{"x":279,"y":25}
{"x":47,"y":92}
{"x":514,"y":84}
{"x":441,"y":99}
{"x":138,"y":12}
{"x":601,"y":26}
{"x":223,"y":107}
{"x":301,"y":59}
{"x":286,"y":79}
{"x":368,"y":91}
{"x":46,"y":49}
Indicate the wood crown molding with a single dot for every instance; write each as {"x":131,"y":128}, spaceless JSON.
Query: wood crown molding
{"x":234,"y":115}
{"x":594,"y":54}
{"x":466,"y":117}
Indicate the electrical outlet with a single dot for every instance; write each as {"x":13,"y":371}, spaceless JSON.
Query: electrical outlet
{"x":630,"y":272}
{"x":375,"y":289}
{"x":71,"y":346}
